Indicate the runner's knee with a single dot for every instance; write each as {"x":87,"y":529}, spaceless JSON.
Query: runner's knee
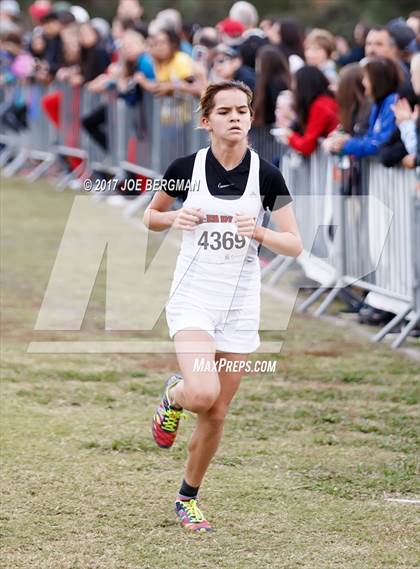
{"x":202,"y":400}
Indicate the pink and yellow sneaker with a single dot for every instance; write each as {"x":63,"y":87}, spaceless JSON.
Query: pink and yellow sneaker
{"x":191,"y":517}
{"x":166,"y":418}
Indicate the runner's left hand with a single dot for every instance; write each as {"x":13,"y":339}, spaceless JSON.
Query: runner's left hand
{"x":245,"y":224}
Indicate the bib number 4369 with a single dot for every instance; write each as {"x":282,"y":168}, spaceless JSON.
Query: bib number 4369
{"x":217,"y":240}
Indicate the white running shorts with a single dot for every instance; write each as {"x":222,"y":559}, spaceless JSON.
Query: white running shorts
{"x":234,"y":330}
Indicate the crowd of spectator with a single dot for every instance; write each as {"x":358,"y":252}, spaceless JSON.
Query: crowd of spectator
{"x":360,"y":98}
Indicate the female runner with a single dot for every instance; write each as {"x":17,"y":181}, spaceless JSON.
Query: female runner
{"x":214,"y":306}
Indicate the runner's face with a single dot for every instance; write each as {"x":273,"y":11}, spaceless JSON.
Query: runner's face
{"x":230,"y":118}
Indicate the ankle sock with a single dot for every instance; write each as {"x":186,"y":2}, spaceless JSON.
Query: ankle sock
{"x":187,"y":492}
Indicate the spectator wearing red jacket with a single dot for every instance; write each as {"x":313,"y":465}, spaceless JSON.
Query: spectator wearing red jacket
{"x":316,"y":109}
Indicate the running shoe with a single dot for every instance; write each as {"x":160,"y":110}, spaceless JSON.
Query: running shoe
{"x":166,"y":419}
{"x":191,"y":517}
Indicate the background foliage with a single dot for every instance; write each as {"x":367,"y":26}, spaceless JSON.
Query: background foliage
{"x":338,"y":16}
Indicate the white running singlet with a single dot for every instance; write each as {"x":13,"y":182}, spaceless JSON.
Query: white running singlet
{"x":217,"y":269}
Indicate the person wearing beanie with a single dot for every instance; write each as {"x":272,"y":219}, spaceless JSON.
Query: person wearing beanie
{"x":228,"y":65}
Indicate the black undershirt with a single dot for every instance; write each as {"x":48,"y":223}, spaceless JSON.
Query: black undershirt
{"x":273,"y":189}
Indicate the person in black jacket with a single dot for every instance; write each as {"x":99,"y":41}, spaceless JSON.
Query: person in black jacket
{"x":94,"y":58}
{"x":54,"y":52}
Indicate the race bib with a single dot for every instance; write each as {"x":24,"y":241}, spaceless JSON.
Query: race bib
{"x":219,"y":242}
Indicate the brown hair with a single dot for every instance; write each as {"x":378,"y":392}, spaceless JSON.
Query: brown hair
{"x":384,"y":75}
{"x":207,"y":98}
{"x":322,"y":38}
{"x":274,"y":73}
{"x":350,"y":95}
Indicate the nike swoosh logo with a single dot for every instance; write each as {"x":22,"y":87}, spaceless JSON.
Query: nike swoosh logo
{"x":224,"y":186}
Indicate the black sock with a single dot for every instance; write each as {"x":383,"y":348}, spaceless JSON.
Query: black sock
{"x":187,"y":492}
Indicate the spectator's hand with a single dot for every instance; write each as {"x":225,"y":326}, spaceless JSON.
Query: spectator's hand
{"x":103,"y":83}
{"x":113,"y":70}
{"x":337,"y":142}
{"x":42,"y":75}
{"x":163,"y":89}
{"x":285,"y":135}
{"x":140,"y":78}
{"x":63,"y":73}
{"x":42,"y":66}
{"x":66,"y":73}
{"x":188,"y":218}
{"x":409,"y":161}
{"x":76,"y":80}
{"x":329,"y":145}
{"x":98,"y":85}
{"x":402,"y":111}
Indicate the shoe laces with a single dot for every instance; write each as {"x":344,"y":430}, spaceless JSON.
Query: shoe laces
{"x":171,"y":420}
{"x":193,"y":511}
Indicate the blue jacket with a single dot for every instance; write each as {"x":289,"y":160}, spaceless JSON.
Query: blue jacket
{"x":132,"y":93}
{"x":381,"y":127}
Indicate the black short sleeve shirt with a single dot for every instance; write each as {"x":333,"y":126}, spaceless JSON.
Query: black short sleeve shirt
{"x":230,"y":183}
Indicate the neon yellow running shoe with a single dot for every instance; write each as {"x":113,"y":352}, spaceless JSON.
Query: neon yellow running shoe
{"x":191,"y":517}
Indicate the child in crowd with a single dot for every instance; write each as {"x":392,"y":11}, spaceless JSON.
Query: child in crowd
{"x":319,"y":50}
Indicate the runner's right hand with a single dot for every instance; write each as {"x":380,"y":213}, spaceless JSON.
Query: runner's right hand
{"x":188,"y":218}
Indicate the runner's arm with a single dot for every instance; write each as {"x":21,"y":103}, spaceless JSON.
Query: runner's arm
{"x":285,"y":241}
{"x":158,"y":218}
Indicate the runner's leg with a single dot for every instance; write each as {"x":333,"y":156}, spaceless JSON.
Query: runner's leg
{"x":198,"y":391}
{"x":209,"y":428}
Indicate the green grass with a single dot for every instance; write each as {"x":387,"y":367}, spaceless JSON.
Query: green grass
{"x":308,"y":454}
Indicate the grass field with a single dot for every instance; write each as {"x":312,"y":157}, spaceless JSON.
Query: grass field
{"x":308,"y":456}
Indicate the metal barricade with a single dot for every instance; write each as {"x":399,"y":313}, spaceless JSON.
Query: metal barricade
{"x":373,"y":248}
{"x":14,"y":130}
{"x":69,"y":132}
{"x":310,"y":181}
{"x":265,"y":144}
{"x":41,"y":133}
{"x":142,"y":137}
{"x":397,"y":274}
{"x":177,"y":122}
{"x":32,"y":139}
{"x":9,"y":137}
